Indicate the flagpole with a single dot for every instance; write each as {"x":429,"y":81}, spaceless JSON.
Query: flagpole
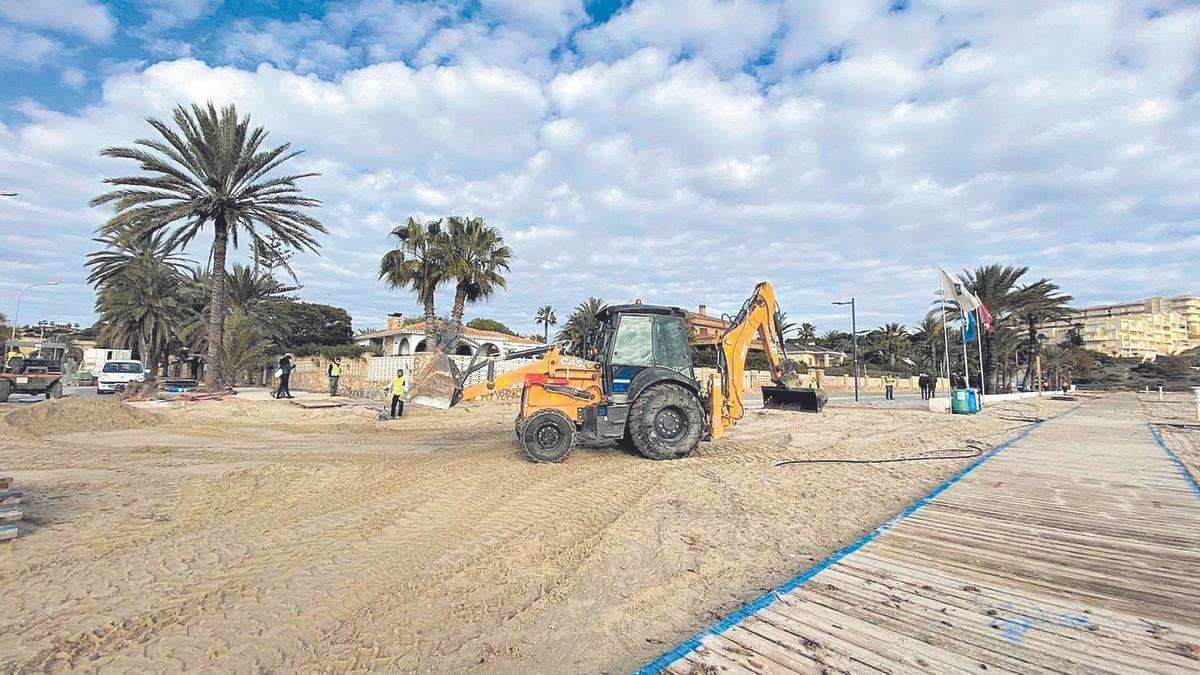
{"x":946,"y":339}
{"x":946,"y":336}
{"x":966,"y":359}
{"x":979,"y":340}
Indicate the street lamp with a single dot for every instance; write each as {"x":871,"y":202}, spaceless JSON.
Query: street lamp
{"x":854,"y":339}
{"x":17,"y":312}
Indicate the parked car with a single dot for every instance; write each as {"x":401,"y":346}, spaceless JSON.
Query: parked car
{"x":114,"y":375}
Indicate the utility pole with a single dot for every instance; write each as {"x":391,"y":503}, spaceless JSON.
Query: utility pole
{"x":854,"y":341}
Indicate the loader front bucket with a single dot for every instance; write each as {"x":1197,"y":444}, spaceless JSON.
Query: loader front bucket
{"x":802,"y":400}
{"x":435,"y":380}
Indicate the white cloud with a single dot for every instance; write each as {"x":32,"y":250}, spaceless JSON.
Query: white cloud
{"x":1058,"y":136}
{"x":26,"y":46}
{"x":78,"y":17}
{"x":726,"y":33}
{"x":73,"y":77}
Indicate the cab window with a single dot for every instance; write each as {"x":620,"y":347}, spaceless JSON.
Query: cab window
{"x":670,"y":343}
{"x":632,"y":345}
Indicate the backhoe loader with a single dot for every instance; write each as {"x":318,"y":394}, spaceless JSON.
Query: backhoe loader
{"x":637,"y":385}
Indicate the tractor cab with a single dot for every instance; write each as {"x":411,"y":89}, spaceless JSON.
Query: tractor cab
{"x":638,"y":345}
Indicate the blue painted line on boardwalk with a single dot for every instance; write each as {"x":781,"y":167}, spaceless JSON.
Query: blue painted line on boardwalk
{"x":663,"y":662}
{"x":1179,"y":466}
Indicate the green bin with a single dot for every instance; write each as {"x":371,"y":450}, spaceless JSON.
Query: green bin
{"x":960,"y":402}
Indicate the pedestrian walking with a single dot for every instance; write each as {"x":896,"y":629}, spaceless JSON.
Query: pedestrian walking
{"x":923,"y":383}
{"x":889,"y":386}
{"x":286,"y":366}
{"x":398,"y":388}
{"x":335,"y":373}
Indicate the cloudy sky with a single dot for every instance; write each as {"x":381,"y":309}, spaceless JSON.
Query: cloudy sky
{"x":673,"y":150}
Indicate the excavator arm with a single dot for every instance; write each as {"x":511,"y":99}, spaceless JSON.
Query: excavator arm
{"x":728,"y":388}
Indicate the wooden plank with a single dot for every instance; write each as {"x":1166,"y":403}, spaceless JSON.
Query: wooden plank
{"x":10,"y":514}
{"x":1075,"y":550}
{"x":10,"y":498}
{"x":5,"y":482}
{"x":8,"y":532}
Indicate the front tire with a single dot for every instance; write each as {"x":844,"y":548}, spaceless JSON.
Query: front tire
{"x":547,"y":437}
{"x":5,"y":390}
{"x":55,"y":391}
{"x":666,"y":422}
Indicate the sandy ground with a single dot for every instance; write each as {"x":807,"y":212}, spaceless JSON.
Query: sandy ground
{"x":1175,"y":419}
{"x":256,"y":536}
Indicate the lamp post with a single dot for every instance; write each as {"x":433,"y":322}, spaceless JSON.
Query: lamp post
{"x":854,"y":340}
{"x":17,"y":311}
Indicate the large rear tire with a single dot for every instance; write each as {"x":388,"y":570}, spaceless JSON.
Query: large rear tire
{"x":55,"y":390}
{"x":547,"y":437}
{"x":666,"y":422}
{"x":5,"y":390}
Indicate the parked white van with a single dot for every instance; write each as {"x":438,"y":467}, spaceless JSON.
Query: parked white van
{"x":115,"y":375}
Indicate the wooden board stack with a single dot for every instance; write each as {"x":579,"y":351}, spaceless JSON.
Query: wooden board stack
{"x":10,"y":509}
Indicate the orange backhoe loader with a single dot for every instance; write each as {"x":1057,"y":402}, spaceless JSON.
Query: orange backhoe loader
{"x":638,"y":385}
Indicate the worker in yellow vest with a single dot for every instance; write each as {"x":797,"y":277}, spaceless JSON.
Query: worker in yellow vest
{"x":814,"y":381}
{"x":335,"y":373}
{"x":14,"y":353}
{"x":398,"y":389}
{"x":889,"y":386}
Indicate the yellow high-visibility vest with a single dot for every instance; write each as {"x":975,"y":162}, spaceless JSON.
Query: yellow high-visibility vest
{"x":889,"y":380}
{"x":399,"y":385}
{"x":335,"y":370}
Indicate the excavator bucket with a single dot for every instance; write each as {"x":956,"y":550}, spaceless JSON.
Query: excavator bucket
{"x":802,"y":400}
{"x":435,"y":381}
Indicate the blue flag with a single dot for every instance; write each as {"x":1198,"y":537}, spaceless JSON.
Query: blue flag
{"x":969,"y":333}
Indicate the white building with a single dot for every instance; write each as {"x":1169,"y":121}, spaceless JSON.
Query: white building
{"x":401,"y":340}
{"x":96,"y":357}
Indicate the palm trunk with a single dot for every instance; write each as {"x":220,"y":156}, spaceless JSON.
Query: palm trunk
{"x":147,"y":358}
{"x":430,"y":328}
{"x":216,"y":304}
{"x":456,"y":312}
{"x":546,"y":332}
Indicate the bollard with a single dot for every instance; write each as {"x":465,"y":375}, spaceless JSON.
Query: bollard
{"x":1147,"y":390}
{"x":1160,"y":392}
{"x":1197,"y":390}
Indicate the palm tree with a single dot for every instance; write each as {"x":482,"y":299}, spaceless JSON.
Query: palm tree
{"x":927,"y":339}
{"x":210,"y":171}
{"x":546,"y":317}
{"x":891,"y":340}
{"x":418,"y":262}
{"x":835,"y":339}
{"x":807,"y":333}
{"x":139,"y":308}
{"x":1041,"y":303}
{"x":241,"y":347}
{"x":580,"y":325}
{"x":119,"y":255}
{"x":475,"y":257}
{"x":999,"y":287}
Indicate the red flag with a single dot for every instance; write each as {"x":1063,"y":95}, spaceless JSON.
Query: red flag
{"x":985,"y":317}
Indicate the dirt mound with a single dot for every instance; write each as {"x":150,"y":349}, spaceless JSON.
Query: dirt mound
{"x":72,"y":415}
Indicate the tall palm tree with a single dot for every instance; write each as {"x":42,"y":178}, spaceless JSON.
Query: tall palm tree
{"x":580,"y":325}
{"x":418,"y":262}
{"x":139,"y":308}
{"x":546,"y":317}
{"x":806,"y":333}
{"x":210,"y":171}
{"x":891,"y":340}
{"x":1041,"y":303}
{"x":1008,"y":300}
{"x":927,"y":341}
{"x":476,"y":258}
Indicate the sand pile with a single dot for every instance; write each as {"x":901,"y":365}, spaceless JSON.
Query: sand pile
{"x":72,"y":415}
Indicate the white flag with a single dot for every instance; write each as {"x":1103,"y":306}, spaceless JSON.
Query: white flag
{"x":953,"y":290}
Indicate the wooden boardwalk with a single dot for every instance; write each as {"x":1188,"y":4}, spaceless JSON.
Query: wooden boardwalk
{"x":1075,"y":548}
